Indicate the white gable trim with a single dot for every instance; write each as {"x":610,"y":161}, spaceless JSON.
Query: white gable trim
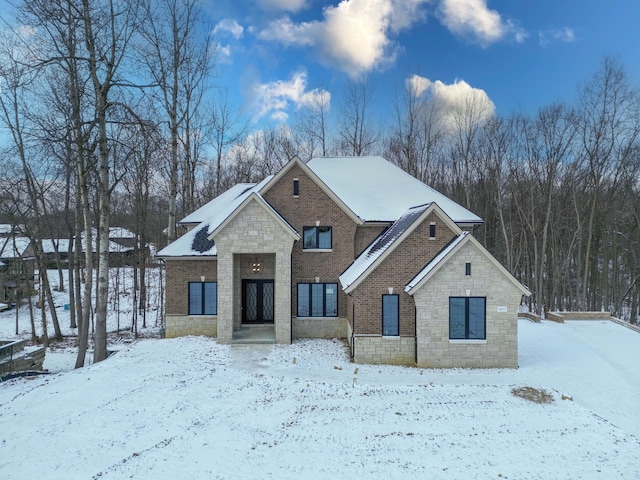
{"x":261,"y":201}
{"x":432,"y":208}
{"x":311,"y":174}
{"x":447,"y":254}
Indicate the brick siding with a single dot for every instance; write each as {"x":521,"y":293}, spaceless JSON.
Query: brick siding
{"x":311,"y":205}
{"x":395,"y":271}
{"x":179,"y":273}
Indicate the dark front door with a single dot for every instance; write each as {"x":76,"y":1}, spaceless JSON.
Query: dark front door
{"x":257,"y":301}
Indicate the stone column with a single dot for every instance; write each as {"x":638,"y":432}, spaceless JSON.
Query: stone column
{"x":283,"y":298}
{"x":225,"y":297}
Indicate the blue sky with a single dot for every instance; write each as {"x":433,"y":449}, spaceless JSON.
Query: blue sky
{"x":278,"y":55}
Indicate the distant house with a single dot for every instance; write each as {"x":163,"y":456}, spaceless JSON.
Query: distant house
{"x":352,"y":248}
{"x":17,"y":266}
{"x":121,"y":246}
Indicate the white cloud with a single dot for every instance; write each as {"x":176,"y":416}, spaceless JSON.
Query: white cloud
{"x":283,"y":5}
{"x":556,"y":35}
{"x":354,"y":35}
{"x":275,"y":98}
{"x":223,"y":53}
{"x":417,"y":85}
{"x":473,"y":20}
{"x":456,"y":103}
{"x":229,"y":26}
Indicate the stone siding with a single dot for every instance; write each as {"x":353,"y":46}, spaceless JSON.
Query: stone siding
{"x":181,"y":325}
{"x":378,"y":349}
{"x":319,"y":327}
{"x":500,"y":349}
{"x":253,"y":231}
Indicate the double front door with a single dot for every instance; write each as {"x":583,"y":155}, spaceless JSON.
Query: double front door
{"x":257,"y":301}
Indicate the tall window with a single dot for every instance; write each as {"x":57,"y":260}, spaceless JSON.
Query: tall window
{"x":432,"y":231}
{"x":203,"y":298}
{"x":316,"y":238}
{"x":317,"y":299}
{"x":390,"y":315}
{"x":296,"y":187}
{"x":467,"y":318}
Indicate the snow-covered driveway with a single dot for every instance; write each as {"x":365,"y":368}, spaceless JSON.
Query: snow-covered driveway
{"x":189,"y":408}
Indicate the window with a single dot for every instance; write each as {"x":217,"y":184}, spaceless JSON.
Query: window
{"x":467,"y":269}
{"x":390,"y":315}
{"x":432,"y":231}
{"x":317,"y":299}
{"x":203,"y":298}
{"x":467,"y":318}
{"x":316,"y":238}
{"x":296,"y":187}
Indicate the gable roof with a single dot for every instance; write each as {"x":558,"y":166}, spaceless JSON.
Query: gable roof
{"x":387,"y":241}
{"x":377,"y":190}
{"x":311,"y":174}
{"x":258,"y":198}
{"x":14,"y":247}
{"x":219,"y":214}
{"x":208,"y":209}
{"x":447,"y":253}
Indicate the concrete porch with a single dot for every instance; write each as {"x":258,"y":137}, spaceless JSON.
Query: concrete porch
{"x":254,"y":334}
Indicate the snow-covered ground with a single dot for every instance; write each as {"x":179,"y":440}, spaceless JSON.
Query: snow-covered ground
{"x":119,"y":310}
{"x":190,"y":408}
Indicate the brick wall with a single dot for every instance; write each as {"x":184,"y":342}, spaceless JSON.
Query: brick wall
{"x":179,"y":274}
{"x":365,"y":234}
{"x":312,"y":205}
{"x":432,"y":301}
{"x":395,"y":271}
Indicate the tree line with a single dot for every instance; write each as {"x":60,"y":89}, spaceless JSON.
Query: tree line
{"x":111,"y":117}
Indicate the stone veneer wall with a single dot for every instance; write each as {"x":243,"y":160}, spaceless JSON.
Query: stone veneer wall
{"x":432,"y":302}
{"x":319,"y":327}
{"x":181,"y":325}
{"x":377,"y":349}
{"x":253,"y":231}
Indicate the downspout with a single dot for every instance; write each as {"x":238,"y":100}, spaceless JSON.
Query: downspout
{"x":415,"y":331}
{"x":291,"y":296}
{"x":353,"y":330}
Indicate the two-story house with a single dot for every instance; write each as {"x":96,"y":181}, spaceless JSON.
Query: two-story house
{"x":349,"y":247}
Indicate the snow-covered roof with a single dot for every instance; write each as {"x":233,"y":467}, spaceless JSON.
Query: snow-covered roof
{"x":120,"y":232}
{"x":435,"y":261}
{"x":210,"y":216}
{"x":367,"y":258}
{"x":9,"y":228}
{"x":208,"y":209}
{"x":376,"y":190}
{"x":13,"y":247}
{"x":48,"y":245}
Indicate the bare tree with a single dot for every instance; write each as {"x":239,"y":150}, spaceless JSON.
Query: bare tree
{"x":357,"y":133}
{"x":227,"y":128}
{"x":178,"y":58}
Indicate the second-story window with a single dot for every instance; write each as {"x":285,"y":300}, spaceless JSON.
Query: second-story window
{"x":317,"y":238}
